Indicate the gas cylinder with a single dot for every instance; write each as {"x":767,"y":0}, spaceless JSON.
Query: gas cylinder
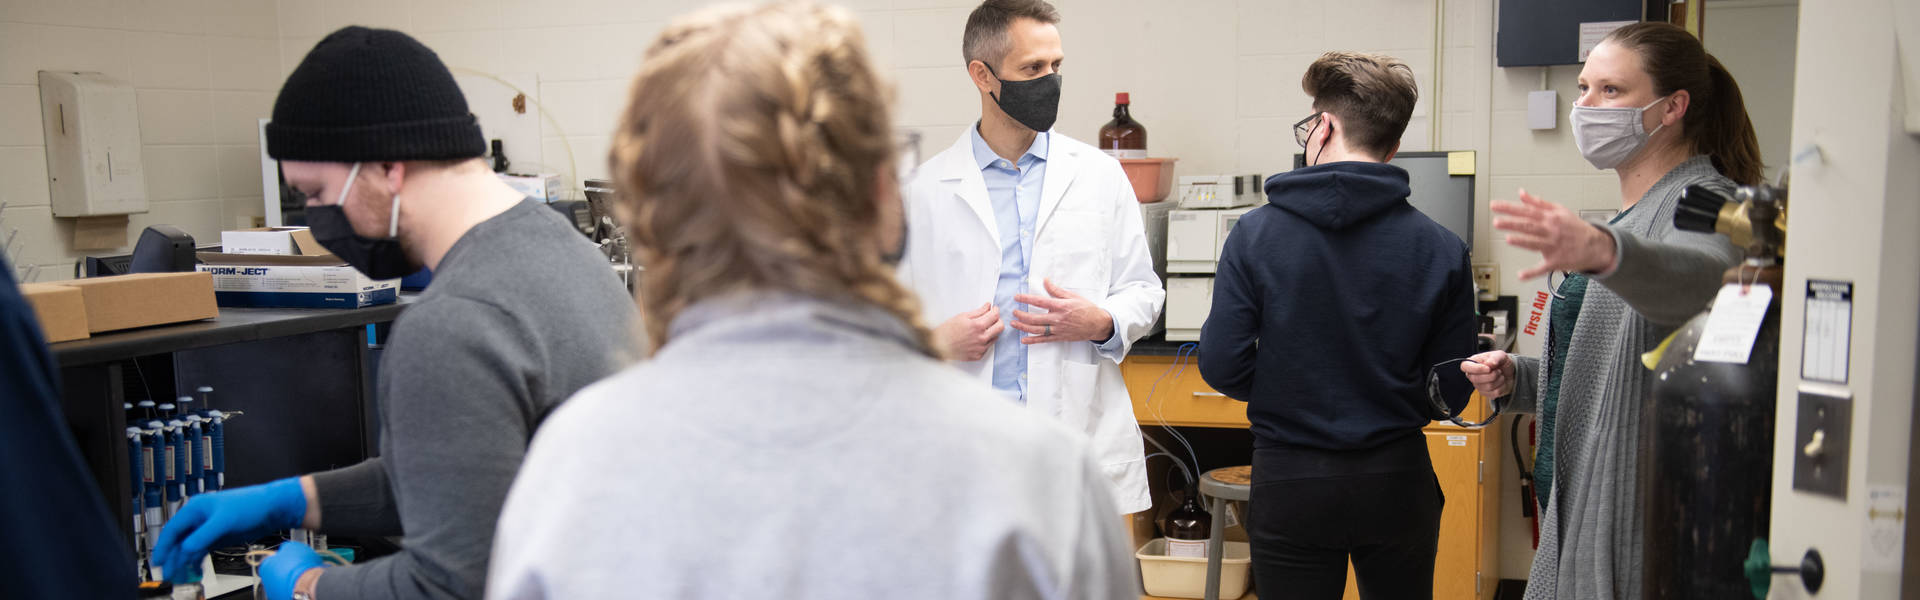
{"x":1707,"y":450}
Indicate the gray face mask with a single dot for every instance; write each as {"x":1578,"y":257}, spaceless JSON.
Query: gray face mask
{"x":1607,"y":137}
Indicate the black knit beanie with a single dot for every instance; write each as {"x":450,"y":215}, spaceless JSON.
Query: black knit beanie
{"x":372,"y":95}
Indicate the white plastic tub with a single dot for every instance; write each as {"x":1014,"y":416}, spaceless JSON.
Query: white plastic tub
{"x":1182,"y":577}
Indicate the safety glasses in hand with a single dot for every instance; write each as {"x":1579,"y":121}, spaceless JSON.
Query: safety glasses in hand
{"x":1438,"y":402}
{"x":1554,"y":288}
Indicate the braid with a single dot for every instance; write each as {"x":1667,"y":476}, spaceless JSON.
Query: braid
{"x":752,"y":148}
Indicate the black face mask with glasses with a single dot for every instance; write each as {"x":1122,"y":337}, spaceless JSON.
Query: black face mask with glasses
{"x":1438,"y":402}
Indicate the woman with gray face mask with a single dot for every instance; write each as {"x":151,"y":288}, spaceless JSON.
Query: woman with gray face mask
{"x":1664,"y":115}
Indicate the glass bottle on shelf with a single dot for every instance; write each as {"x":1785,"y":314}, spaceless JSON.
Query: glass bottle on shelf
{"x":1123,"y":137}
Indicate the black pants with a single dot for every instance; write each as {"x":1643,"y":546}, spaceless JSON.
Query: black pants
{"x":1314,"y":509}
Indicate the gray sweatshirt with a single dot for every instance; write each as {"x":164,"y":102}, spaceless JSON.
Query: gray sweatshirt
{"x":781,"y":447}
{"x":522,"y":312}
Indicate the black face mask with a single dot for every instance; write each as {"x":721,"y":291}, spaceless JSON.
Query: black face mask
{"x":892,"y":259}
{"x":1034,"y":103}
{"x":377,"y":258}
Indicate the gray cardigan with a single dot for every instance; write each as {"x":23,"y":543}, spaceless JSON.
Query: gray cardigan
{"x":1591,"y":531}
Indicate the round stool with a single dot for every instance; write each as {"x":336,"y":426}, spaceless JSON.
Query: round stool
{"x":1222,"y":484}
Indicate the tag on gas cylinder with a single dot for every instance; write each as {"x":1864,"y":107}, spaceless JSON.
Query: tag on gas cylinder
{"x":1734,"y":323}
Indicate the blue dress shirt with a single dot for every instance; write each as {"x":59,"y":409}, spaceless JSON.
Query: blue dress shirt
{"x":1014,"y":189}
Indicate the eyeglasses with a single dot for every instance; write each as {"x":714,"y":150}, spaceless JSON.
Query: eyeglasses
{"x":1439,"y":402}
{"x":1554,"y":288}
{"x":1301,"y":129}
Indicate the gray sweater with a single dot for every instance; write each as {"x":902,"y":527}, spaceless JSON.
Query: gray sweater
{"x":1591,"y":531}
{"x":782,"y":447}
{"x":522,"y":312}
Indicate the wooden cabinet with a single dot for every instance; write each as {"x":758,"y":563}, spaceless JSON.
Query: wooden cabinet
{"x":1182,"y":398}
{"x":1179,"y":395}
{"x":1466,"y":461}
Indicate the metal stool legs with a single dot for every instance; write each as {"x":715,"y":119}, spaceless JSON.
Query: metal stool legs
{"x":1216,"y":546}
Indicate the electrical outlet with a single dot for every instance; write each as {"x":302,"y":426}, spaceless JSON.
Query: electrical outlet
{"x":1486,"y":276}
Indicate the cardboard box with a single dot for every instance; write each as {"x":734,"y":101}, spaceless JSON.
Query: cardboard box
{"x":325,"y":281}
{"x":309,"y":277}
{"x":143,"y":299}
{"x":543,"y":187}
{"x":264,"y":240}
{"x":61,"y":310}
{"x":284,"y":286}
{"x":272,"y":241}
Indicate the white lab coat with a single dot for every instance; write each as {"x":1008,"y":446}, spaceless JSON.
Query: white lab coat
{"x":1089,"y":240}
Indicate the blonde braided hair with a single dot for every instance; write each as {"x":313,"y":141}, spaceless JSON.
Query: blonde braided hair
{"x":755,"y":153}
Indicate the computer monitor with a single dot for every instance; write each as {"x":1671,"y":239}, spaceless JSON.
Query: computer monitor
{"x":102,"y":266}
{"x":1443,"y":197}
{"x":160,"y":249}
{"x":280,"y":205}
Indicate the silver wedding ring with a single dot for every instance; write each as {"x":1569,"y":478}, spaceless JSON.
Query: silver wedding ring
{"x":1049,"y":329}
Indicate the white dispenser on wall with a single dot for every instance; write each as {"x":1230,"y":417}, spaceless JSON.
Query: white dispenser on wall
{"x":92,"y":126}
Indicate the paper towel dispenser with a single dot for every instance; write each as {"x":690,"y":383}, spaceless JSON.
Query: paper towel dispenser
{"x":92,"y":126}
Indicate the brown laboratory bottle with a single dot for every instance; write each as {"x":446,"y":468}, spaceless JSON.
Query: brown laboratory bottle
{"x":1188,"y":527}
{"x":1123,"y":137}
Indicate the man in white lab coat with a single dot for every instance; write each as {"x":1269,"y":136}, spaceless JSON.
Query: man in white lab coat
{"x":1026,"y":247}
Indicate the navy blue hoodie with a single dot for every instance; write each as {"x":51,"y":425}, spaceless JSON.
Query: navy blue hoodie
{"x":1329,"y":305}
{"x":53,"y":515}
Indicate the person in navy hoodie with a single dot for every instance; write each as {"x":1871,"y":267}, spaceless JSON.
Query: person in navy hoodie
{"x":66,"y":543}
{"x":1331,"y":305}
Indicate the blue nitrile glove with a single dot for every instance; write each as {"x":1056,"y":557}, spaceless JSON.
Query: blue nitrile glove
{"x":280,"y":571}
{"x":226,"y":518}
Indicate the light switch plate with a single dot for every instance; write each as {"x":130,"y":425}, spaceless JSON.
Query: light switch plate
{"x":1486,"y":276}
{"x":1824,"y":473}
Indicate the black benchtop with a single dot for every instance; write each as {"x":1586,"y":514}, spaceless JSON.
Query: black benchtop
{"x":1157,"y":345}
{"x":233,"y":325}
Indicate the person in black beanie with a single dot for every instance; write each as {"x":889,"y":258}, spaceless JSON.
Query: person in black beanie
{"x":522,"y":312}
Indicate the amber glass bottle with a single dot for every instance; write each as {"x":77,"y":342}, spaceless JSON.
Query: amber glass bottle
{"x":1123,"y":137}
{"x":1187,"y":527}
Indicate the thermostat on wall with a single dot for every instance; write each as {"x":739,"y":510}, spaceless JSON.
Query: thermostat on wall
{"x":1543,"y":109}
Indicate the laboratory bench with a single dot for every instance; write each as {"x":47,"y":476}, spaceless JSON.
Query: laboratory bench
{"x":1466,"y":461}
{"x":301,"y":379}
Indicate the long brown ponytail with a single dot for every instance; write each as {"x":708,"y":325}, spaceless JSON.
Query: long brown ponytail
{"x":1717,"y":125}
